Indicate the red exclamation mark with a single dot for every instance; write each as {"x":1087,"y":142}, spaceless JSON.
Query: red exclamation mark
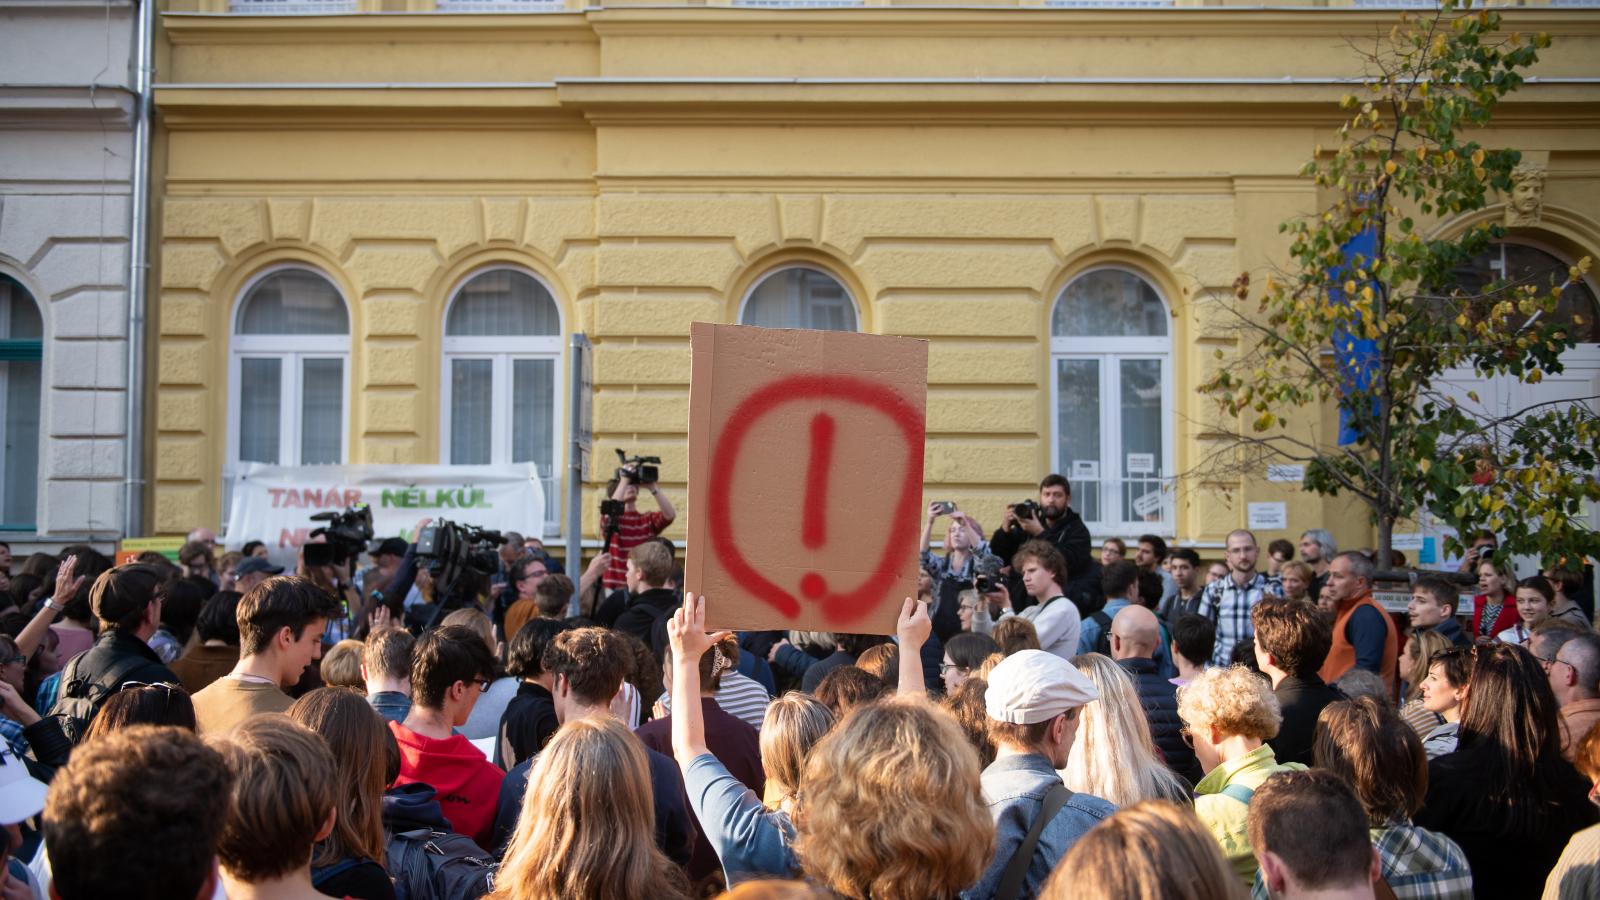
{"x":814,"y":514}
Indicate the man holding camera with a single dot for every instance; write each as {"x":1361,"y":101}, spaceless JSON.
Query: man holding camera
{"x":630,"y":527}
{"x":1052,"y":520}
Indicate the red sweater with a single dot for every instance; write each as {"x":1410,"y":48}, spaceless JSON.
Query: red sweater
{"x":467,"y":783}
{"x":1507,"y":618}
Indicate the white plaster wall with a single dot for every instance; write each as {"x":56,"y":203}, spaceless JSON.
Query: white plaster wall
{"x":66,"y":151}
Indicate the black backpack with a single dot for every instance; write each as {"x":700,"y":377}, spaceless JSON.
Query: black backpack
{"x":438,"y":865}
{"x":79,"y":700}
{"x":1102,"y":644}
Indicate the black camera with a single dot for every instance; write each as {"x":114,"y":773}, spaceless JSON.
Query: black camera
{"x":453,"y":554}
{"x":347,"y":533}
{"x":1028,"y":509}
{"x":986,"y":573}
{"x":638,"y":469}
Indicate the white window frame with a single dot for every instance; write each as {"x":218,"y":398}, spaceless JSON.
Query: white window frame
{"x":502,"y":352}
{"x":1110,"y":352}
{"x":744,"y":304}
{"x":292,"y":350}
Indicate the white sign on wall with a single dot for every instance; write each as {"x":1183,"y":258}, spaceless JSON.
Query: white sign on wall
{"x":275,"y":503}
{"x":1286,"y":472}
{"x":1141,"y":463}
{"x":1269,"y":516}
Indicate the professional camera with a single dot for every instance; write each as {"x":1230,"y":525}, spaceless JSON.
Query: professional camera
{"x":986,"y":572}
{"x":457,"y":556}
{"x":348,"y":533}
{"x":1028,"y":509}
{"x":638,"y":469}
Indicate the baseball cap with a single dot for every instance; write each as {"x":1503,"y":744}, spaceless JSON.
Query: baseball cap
{"x":389,"y":547}
{"x":21,"y":795}
{"x":253,"y":564}
{"x":1032,"y":686}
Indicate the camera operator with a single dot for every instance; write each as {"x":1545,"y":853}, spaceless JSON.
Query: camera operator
{"x":1052,"y":520}
{"x":386,"y":556}
{"x":632,"y":527}
{"x":334,"y":580}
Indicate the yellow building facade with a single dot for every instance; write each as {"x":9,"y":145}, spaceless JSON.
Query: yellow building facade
{"x":1054,"y":197}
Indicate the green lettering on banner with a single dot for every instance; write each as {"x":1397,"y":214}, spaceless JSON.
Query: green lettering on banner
{"x":464,"y":497}
{"x":394,"y":499}
{"x":480,"y":499}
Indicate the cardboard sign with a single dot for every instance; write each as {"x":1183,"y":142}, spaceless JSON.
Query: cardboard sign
{"x":805,"y":477}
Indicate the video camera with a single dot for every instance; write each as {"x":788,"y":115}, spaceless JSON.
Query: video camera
{"x":348,"y":533}
{"x":638,"y":469}
{"x":453,"y":554}
{"x":986,"y":572}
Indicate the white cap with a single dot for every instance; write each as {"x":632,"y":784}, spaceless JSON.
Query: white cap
{"x":1032,"y":686}
{"x":21,"y":796}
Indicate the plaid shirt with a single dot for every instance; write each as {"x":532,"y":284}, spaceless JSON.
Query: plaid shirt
{"x":1418,"y":864}
{"x":1228,"y":605}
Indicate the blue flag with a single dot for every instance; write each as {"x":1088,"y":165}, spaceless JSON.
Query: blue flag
{"x":1356,"y":356}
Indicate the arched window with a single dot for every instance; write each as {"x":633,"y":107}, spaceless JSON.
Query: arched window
{"x":1529,"y":264}
{"x":799,"y":297}
{"x":21,"y":362}
{"x":1110,"y":349}
{"x":502,"y":347}
{"x":290,"y":364}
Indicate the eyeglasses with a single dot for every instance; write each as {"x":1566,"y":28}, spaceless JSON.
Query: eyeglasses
{"x":948,"y":666}
{"x":169,"y":688}
{"x":483,"y":686}
{"x":19,"y":658}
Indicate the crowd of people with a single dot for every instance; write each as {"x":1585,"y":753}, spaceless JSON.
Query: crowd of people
{"x":1047,"y":721}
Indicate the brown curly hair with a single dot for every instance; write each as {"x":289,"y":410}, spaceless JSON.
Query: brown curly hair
{"x":891,"y":807}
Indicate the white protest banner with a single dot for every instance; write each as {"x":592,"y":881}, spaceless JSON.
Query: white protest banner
{"x":275,"y":503}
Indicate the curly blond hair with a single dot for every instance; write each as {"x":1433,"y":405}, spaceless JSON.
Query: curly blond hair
{"x":891,"y":807}
{"x":1234,"y":700}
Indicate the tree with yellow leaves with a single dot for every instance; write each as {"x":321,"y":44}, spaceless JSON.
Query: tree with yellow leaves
{"x":1366,"y":284}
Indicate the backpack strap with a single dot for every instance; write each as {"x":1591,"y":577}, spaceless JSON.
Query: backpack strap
{"x":1238,"y":792}
{"x":1016,"y":870}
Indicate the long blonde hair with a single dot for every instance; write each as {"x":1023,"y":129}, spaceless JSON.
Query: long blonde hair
{"x":792,"y":726}
{"x":1114,"y":757}
{"x":587,"y":826}
{"x":891,"y":807}
{"x":1153,"y":850}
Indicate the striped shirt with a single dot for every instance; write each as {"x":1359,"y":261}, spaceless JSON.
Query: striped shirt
{"x":739,"y":696}
{"x":1421,"y":719}
{"x":633,"y":529}
{"x":1228,"y":604}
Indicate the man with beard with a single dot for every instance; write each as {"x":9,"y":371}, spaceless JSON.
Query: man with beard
{"x":1056,"y":522}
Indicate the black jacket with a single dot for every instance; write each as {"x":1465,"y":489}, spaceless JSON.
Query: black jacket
{"x":1302,"y":700}
{"x":646,"y":618}
{"x":1067,"y":533}
{"x":100,"y":672}
{"x":1159,"y":697}
{"x":526,"y":726}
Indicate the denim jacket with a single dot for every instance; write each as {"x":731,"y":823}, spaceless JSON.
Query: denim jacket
{"x":1014,"y":787}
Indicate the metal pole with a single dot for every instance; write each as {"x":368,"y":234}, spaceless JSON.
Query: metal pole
{"x":580,"y":440}
{"x":138,"y":269}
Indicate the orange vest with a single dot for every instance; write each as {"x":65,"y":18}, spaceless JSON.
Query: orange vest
{"x":1342,"y":656}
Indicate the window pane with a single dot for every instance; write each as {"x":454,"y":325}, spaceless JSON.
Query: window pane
{"x":293,"y":302}
{"x":1141,"y":440}
{"x":502,"y":302}
{"x":1520,"y":263}
{"x":471,"y":400}
{"x":20,"y":381}
{"x":1109,"y":303}
{"x":1078,"y":432}
{"x":321,"y":411}
{"x":260,"y":387}
{"x":801,"y":298}
{"x":533,"y":413}
{"x":19,"y":317}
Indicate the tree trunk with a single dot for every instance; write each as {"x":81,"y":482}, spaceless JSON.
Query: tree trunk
{"x":1385,"y":541}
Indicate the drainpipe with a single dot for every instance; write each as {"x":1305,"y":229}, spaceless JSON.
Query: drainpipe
{"x":138,"y":270}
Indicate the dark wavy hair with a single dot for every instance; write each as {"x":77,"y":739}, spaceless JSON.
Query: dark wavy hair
{"x":1512,"y":723}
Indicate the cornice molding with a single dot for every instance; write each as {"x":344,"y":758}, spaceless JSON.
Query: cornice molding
{"x":65,"y":106}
